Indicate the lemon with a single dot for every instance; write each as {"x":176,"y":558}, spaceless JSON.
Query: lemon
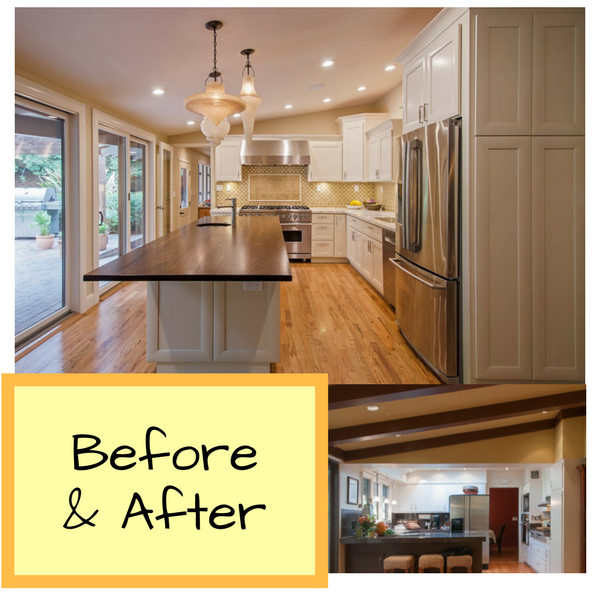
{"x":355,"y":203}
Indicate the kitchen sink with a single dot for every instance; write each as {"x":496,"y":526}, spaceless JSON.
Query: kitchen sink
{"x":386,"y":219}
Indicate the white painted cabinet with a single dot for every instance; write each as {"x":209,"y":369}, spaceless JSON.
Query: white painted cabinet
{"x":325,"y":161}
{"x":365,"y":250}
{"x":354,"y":247}
{"x":380,"y":152}
{"x":431,"y":81}
{"x":415,"y":498}
{"x":328,"y":236}
{"x":538,"y":556}
{"x":228,"y":166}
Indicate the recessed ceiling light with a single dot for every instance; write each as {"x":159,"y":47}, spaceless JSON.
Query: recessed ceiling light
{"x":328,"y":63}
{"x":390,"y":68}
{"x":465,"y":469}
{"x":327,"y":100}
{"x":362,"y":88}
{"x":372,"y":407}
{"x":191,"y":122}
{"x":158,"y":92}
{"x":317,"y":86}
{"x":288,"y":106}
{"x":544,"y":412}
{"x":398,"y":435}
{"x":237,"y":115}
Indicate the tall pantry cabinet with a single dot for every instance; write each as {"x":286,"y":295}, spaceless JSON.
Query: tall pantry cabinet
{"x":520,"y":82}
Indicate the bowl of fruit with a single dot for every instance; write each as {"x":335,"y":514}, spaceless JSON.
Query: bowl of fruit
{"x":372,"y":205}
{"x":354,"y":205}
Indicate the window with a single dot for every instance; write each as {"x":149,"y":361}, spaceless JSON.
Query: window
{"x":203,"y":184}
{"x":385,"y":495}
{"x":366,"y":486}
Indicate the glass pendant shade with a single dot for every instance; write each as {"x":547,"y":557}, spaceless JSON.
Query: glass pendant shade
{"x":252,"y":100}
{"x":215,"y":135}
{"x":214,"y":103}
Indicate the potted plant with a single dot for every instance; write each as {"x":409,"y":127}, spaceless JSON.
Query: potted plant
{"x":44,"y":240}
{"x":102,"y":236}
{"x":366,"y":526}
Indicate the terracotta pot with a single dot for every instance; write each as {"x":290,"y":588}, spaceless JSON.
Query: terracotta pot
{"x":44,"y":242}
{"x":103,"y":241}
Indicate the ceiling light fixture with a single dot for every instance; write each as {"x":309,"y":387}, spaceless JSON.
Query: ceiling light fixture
{"x":398,"y":435}
{"x":328,"y":63}
{"x":214,"y":104}
{"x":288,"y":106}
{"x":390,"y":68}
{"x":158,"y":92}
{"x":362,"y":88}
{"x":191,"y":122}
{"x":327,"y":100}
{"x":250,"y":97}
{"x":372,"y":407}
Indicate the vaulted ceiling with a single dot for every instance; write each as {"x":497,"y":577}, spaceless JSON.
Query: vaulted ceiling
{"x":117,"y":56}
{"x":412,"y":418}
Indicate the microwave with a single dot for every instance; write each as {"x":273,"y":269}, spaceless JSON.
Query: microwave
{"x":526,"y":503}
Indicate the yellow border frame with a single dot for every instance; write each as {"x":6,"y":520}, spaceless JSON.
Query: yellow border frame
{"x":10,"y":580}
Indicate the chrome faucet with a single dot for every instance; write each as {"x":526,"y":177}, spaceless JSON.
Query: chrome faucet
{"x":233,"y":207}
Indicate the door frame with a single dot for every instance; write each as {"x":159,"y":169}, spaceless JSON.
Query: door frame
{"x":162,"y":147}
{"x":106,"y":122}
{"x":334,"y":514}
{"x":186,"y":165}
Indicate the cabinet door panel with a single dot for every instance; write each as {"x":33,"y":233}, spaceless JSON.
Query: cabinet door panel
{"x":325,"y":161}
{"x":503,"y":74}
{"x":385,"y":156}
{"x":374,"y":158}
{"x":353,"y":155}
{"x":339,"y":238}
{"x":443,"y":76}
{"x":503,"y":258}
{"x":559,"y":74}
{"x":377,"y":278}
{"x":558,"y":238}
{"x":228,"y":162}
{"x":414,"y":93}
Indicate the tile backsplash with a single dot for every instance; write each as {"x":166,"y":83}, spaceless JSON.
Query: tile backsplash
{"x":335,"y":194}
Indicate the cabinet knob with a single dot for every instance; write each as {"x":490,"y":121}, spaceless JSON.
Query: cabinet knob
{"x":420,"y":114}
{"x":425,"y":111}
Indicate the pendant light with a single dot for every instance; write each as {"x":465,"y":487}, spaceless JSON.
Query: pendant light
{"x":214,"y":103}
{"x":250,"y":97}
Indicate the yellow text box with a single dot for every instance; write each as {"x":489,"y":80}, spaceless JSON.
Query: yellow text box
{"x":197,"y":480}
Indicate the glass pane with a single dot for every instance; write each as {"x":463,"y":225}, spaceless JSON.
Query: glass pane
{"x":200,"y":185}
{"x":137,"y":174}
{"x":39,"y":216}
{"x":111,"y":166}
{"x":184,"y":188}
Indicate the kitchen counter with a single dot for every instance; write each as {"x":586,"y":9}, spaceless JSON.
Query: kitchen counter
{"x":366,"y":555}
{"x":213,"y":296}
{"x":253,"y":250}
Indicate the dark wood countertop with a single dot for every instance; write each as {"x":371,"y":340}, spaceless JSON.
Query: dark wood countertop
{"x":252,"y":250}
{"x":433,"y":538}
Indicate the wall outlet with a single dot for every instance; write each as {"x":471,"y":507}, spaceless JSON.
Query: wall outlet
{"x":253,"y":286}
{"x":356,"y":188}
{"x":381,"y":189}
{"x":228,"y":187}
{"x":318,"y":187}
{"x":219,"y":187}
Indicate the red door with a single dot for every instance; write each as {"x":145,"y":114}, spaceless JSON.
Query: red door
{"x":504,"y":505}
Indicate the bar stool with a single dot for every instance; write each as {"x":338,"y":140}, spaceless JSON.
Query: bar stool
{"x":406,"y":563}
{"x":431,"y":561}
{"x":462,"y":562}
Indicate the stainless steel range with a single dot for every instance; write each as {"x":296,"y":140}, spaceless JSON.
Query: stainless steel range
{"x":295,"y":223}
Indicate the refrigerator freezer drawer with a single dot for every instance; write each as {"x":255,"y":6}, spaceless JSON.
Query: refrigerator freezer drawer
{"x":427,"y":316}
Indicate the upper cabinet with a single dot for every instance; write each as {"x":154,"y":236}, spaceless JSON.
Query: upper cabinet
{"x":355,"y":155}
{"x":380,"y":143}
{"x":325,"y":161}
{"x":431,"y":81}
{"x":529,"y":73}
{"x":558,"y":74}
{"x":228,"y":164}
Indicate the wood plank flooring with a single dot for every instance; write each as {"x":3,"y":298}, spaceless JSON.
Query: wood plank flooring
{"x":332,"y":322}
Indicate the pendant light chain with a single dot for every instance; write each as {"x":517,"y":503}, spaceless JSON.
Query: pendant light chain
{"x":215,"y":70}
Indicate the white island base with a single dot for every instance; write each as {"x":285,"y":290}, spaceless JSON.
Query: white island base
{"x":213,"y":326}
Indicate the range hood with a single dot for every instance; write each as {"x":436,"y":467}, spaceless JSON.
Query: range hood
{"x":276,"y":152}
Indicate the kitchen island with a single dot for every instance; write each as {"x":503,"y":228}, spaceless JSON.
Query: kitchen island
{"x":366,"y":555}
{"x":213,"y":294}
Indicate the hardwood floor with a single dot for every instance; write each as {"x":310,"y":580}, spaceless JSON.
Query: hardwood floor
{"x":332,"y":322}
{"x":507,"y":562}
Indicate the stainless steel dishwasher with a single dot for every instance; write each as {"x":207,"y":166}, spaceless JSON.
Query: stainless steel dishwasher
{"x":389,"y":271}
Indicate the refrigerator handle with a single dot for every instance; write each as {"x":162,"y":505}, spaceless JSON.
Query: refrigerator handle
{"x":430,"y":285}
{"x":412,"y":193}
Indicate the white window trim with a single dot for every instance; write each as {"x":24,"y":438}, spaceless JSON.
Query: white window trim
{"x":103,"y":120}
{"x":81,"y":296}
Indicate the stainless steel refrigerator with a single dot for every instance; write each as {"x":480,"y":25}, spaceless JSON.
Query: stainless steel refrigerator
{"x":474,"y":510}
{"x":428,"y":246}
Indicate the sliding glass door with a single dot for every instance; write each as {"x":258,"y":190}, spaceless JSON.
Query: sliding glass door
{"x":40,"y":218}
{"x":122,"y":194}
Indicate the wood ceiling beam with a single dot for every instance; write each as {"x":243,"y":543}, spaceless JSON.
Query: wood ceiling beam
{"x":456,"y":418}
{"x":569,"y":413}
{"x":337,"y":453}
{"x":448,"y":440}
{"x":348,"y":396}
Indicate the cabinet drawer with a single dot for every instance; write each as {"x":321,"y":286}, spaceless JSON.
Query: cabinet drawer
{"x":372,"y":231}
{"x":354,"y":222}
{"x":538,"y":565}
{"x":322,"y":218}
{"x":321,"y":248}
{"x":539,"y":551}
{"x":322,"y":232}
